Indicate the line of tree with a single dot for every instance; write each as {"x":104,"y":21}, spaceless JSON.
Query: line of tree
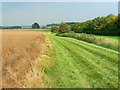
{"x":108,"y":25}
{"x":50,"y":25}
{"x":101,"y":25}
{"x":10,"y":27}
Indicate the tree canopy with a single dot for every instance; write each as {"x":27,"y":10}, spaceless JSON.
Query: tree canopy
{"x":55,"y":29}
{"x":108,"y":25}
{"x":35,"y":25}
{"x":64,"y":28}
{"x":100,"y":25}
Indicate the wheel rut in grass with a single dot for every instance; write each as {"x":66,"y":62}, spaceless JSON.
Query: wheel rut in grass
{"x":76,"y":65}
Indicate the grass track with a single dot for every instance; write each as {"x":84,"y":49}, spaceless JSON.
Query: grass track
{"x":80,"y":64}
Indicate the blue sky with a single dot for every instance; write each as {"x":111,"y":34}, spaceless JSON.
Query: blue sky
{"x":26,"y":13}
{"x":0,"y":13}
{"x":59,"y":0}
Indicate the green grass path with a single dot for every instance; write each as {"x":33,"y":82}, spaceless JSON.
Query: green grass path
{"x":81,"y":65}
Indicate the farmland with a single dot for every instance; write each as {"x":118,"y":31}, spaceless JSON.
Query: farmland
{"x":59,"y":45}
{"x":42,"y":59}
{"x":20,"y":51}
{"x":80,"y":64}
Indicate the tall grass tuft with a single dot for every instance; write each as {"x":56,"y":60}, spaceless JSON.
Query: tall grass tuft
{"x":92,"y":39}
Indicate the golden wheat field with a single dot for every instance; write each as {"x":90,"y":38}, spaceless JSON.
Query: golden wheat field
{"x":20,"y":49}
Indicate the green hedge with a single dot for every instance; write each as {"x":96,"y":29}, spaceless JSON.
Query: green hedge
{"x":92,"y":39}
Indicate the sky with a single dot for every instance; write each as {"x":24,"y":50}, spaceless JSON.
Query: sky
{"x":59,"y":0}
{"x":26,"y":13}
{"x":0,"y":13}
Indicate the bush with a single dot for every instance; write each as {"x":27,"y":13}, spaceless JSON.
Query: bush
{"x":92,"y":39}
{"x":55,"y":29}
{"x":64,"y":28}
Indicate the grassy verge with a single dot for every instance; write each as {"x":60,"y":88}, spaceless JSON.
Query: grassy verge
{"x":40,"y":29}
{"x":114,"y":38}
{"x":77,"y":64}
{"x":108,"y":42}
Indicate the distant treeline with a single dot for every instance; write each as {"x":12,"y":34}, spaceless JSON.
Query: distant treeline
{"x":108,"y":25}
{"x":49,"y":25}
{"x":10,"y":27}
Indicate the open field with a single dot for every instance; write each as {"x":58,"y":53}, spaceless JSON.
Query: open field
{"x":79,"y":64}
{"x":20,"y":49}
{"x":41,"y":59}
{"x":60,"y":45}
{"x":0,"y":59}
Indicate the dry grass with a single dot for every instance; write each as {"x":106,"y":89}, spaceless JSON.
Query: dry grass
{"x":0,"y":59}
{"x":21,"y":51}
